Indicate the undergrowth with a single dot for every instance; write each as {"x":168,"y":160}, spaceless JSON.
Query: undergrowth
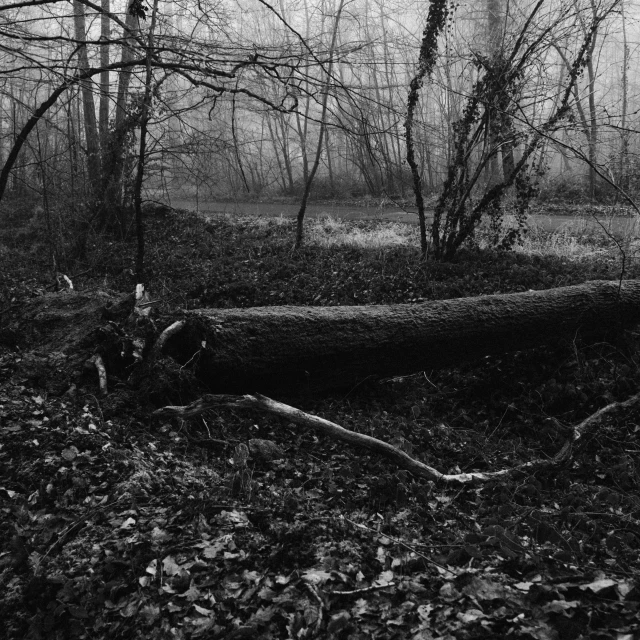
{"x":249,"y":261}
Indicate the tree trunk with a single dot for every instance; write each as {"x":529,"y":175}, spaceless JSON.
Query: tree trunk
{"x":144,"y":122}
{"x":114,"y":151}
{"x":277,"y":152}
{"x":436,"y":19}
{"x":90,"y":123}
{"x":623,"y":171}
{"x":297,"y":349}
{"x":105,"y":35}
{"x":494,"y":27}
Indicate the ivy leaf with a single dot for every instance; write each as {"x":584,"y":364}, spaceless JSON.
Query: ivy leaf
{"x":138,"y":9}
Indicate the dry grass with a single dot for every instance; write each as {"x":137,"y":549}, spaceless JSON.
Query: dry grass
{"x":330,"y":232}
{"x":573,"y":240}
{"x":570,"y":240}
{"x":584,"y":238}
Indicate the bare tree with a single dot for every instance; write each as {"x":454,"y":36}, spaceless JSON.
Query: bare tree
{"x":323,"y":115}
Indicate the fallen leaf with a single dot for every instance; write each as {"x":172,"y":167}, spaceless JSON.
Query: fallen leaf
{"x":316,"y":577}
{"x":484,"y":589}
{"x":600,"y":585}
{"x":70,"y":454}
{"x":150,"y":613}
{"x":78,"y":612}
{"x":159,"y":535}
{"x":385,"y":578}
{"x":560,"y":606}
{"x":202,"y":611}
{"x":130,"y":609}
{"x":338,"y":622}
{"x":128,"y":523}
{"x":523,"y":586}
{"x":424,"y":611}
{"x":191,"y":594}
{"x":470,"y":616}
{"x":170,"y":567}
{"x":214,"y":549}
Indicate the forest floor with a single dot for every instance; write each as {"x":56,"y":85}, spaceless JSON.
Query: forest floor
{"x":118,"y":524}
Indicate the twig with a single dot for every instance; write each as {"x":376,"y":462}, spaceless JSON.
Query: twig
{"x":98,"y":362}
{"x":363,"y":591}
{"x":587,"y":424}
{"x":206,"y":441}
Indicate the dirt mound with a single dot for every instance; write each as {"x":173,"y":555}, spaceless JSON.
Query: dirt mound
{"x":58,"y":332}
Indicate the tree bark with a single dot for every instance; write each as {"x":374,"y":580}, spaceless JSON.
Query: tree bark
{"x":317,"y":349}
{"x":105,"y":34}
{"x":114,"y":150}
{"x":90,"y":122}
{"x":144,"y":122}
{"x":623,"y":170}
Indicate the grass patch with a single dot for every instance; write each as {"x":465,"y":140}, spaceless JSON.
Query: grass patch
{"x":330,"y":232}
{"x":575,"y":240}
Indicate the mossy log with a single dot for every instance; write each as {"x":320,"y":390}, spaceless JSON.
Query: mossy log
{"x":292,"y":349}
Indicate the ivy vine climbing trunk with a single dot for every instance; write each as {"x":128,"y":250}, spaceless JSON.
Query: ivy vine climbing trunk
{"x":436,"y":19}
{"x":497,"y":96}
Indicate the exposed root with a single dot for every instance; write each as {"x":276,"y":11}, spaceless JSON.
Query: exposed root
{"x":171,"y":330}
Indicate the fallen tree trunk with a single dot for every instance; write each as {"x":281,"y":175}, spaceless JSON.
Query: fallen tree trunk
{"x":292,"y":349}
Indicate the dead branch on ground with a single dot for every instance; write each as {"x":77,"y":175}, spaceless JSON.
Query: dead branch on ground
{"x":402,"y":459}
